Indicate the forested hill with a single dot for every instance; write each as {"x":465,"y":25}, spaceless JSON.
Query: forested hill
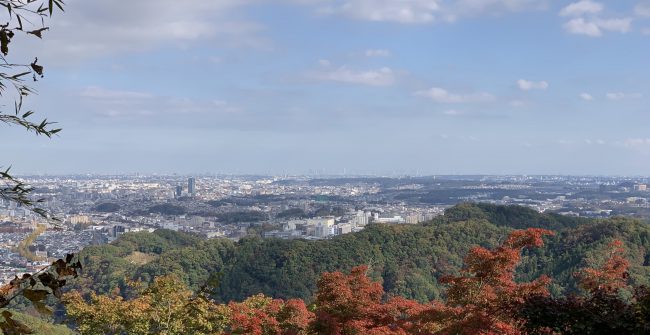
{"x":407,"y":259}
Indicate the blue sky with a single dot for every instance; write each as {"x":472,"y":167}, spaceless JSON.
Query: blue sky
{"x":369,"y":86}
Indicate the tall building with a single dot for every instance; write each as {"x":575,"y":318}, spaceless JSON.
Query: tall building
{"x":191,"y":186}
{"x":179,"y":191}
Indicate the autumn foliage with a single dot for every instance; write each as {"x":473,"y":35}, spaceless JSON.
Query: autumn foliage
{"x":609,"y":305}
{"x":611,"y":276}
{"x":483,"y":298}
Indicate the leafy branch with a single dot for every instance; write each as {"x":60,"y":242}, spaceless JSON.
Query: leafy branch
{"x":15,"y":190}
{"x":21,"y":17}
{"x":36,"y":288}
{"x":48,"y":281}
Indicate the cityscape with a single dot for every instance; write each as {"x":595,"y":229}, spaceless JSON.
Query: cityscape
{"x":91,"y":209}
{"x":324,"y":167}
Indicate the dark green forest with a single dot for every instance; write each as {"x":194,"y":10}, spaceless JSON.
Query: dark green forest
{"x":407,"y":259}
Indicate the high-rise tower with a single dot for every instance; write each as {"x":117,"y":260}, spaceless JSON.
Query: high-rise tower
{"x":191,"y":186}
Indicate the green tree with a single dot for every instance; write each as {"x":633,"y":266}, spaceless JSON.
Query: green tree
{"x":166,"y":307}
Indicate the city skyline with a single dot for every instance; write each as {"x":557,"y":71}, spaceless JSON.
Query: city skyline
{"x":370,"y":87}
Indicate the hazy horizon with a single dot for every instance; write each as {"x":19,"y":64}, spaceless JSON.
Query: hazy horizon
{"x":426,"y":87}
{"x":316,"y":175}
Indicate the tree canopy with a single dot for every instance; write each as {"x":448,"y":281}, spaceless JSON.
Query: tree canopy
{"x":483,"y":298}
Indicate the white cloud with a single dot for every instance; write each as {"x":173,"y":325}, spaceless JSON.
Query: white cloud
{"x":526,"y":85}
{"x":586,"y":96}
{"x":101,"y":28}
{"x":324,"y":62}
{"x":581,"y":142}
{"x":94,"y":92}
{"x":594,"y":28}
{"x":452,"y":112}
{"x":642,"y":9}
{"x":219,"y":103}
{"x":377,"y":53}
{"x":441,"y":95}
{"x":593,"y":142}
{"x":119,"y":104}
{"x":617,"y":25}
{"x":615,"y":96}
{"x":421,"y":11}
{"x":582,"y":27}
{"x":637,"y":142}
{"x":645,"y":31}
{"x":492,"y":6}
{"x":517,"y":103}
{"x":588,"y":21}
{"x":582,"y":8}
{"x":379,"y":77}
{"x":401,"y":11}
{"x":452,"y":10}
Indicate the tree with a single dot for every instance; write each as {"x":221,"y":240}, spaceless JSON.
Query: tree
{"x":162,"y":308}
{"x":260,"y":315}
{"x":484,"y":298}
{"x":169,"y":307}
{"x":353,"y":304}
{"x":604,"y":309}
{"x":25,"y":18}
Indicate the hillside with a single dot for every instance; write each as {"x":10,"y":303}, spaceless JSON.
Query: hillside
{"x":39,"y":326}
{"x":407,"y":259}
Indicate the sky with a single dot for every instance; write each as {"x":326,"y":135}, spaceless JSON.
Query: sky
{"x":416,"y":87}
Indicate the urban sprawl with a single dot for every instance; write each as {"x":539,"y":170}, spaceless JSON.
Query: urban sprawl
{"x":97,"y":209}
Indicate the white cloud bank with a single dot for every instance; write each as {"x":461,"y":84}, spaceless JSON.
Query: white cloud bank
{"x":378,"y":77}
{"x":400,"y":11}
{"x":642,"y":9}
{"x":95,"y":92}
{"x":377,"y":53}
{"x":586,"y":96}
{"x":581,"y":8}
{"x":100,"y":28}
{"x":637,"y":142}
{"x":526,"y":85}
{"x":441,"y":95}
{"x":420,"y":11}
{"x":616,"y":96}
{"x":587,"y":20}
